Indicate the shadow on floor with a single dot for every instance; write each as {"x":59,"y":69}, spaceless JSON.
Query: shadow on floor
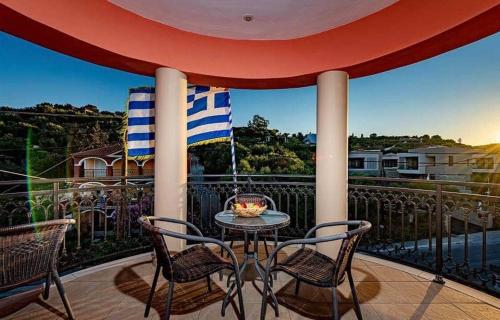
{"x":316,"y":303}
{"x":188,"y":297}
{"x":430,"y":294}
{"x":17,"y":302}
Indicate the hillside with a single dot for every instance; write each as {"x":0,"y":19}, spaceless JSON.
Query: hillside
{"x":395,"y":144}
{"x":51,"y":132}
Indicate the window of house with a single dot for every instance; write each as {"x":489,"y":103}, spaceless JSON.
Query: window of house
{"x":450,"y":160}
{"x":484,"y":163}
{"x":356,"y":163}
{"x":432,"y":161}
{"x":372,"y":163}
{"x":390,"y":163}
{"x":412,"y":163}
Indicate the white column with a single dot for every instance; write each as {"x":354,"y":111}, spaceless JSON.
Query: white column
{"x":331,"y":154}
{"x":171,"y":150}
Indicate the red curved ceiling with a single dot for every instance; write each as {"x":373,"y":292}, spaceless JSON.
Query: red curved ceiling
{"x":100,"y":32}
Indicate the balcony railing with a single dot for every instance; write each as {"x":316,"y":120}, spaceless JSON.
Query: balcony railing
{"x":94,"y":173}
{"x":426,"y":224}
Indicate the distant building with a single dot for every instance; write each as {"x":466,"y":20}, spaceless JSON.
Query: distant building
{"x":435,"y":163}
{"x":367,"y":162}
{"x":390,"y":165}
{"x":107,"y":162}
{"x":447,"y":163}
{"x":310,"y":139}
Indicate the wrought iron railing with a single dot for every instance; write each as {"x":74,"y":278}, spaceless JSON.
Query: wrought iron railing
{"x":94,"y":173}
{"x":294,"y":195}
{"x":448,"y":228}
{"x":105,"y":209}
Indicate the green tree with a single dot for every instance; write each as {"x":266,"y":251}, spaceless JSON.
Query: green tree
{"x":258,"y":123}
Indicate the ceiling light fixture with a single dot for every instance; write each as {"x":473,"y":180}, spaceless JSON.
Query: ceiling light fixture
{"x":248,"y":17}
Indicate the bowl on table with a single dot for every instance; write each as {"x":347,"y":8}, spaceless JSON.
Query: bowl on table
{"x":249,"y":207}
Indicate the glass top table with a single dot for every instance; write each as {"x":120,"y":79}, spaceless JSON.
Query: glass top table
{"x":270,"y":220}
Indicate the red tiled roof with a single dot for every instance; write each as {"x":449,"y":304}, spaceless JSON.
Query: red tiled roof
{"x":98,"y":152}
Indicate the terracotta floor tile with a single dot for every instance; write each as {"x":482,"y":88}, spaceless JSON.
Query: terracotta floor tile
{"x":363,"y":273}
{"x":121,"y":292}
{"x":443,"y":312}
{"x":390,"y":311}
{"x":252,"y":294}
{"x":369,"y":263}
{"x":419,"y":292}
{"x":213,"y":311}
{"x":379,"y":292}
{"x":358,"y":262}
{"x":252,"y":311}
{"x":454,"y":296}
{"x":367,"y":310}
{"x":346,"y":312}
{"x":479,"y":311}
{"x":383,"y":273}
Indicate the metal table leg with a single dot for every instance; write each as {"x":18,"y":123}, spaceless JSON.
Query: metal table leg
{"x":232,"y":284}
{"x":259,"y":268}
{"x":244,"y":264}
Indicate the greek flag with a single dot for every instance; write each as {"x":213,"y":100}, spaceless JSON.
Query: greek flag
{"x":208,"y":119}
{"x":208,"y":115}
{"x":141,"y":123}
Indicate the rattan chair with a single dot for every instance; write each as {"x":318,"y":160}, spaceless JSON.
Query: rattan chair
{"x":195,"y":263}
{"x":29,"y":253}
{"x":310,"y":266}
{"x":234,"y":234}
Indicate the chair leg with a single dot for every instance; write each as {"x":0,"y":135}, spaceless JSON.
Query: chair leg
{"x":209,"y":284}
{"x":240,"y":297}
{"x":357,"y":308}
{"x":276,"y":256}
{"x":297,"y":287}
{"x":48,"y":282}
{"x":223,"y":233}
{"x":170,"y":297}
{"x":152,"y":291}
{"x":265,"y":248}
{"x":230,"y":246}
{"x":335,"y":304}
{"x":64,"y":298}
{"x":263,"y":307}
{"x":222,"y":239}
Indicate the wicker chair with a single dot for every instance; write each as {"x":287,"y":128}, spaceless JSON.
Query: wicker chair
{"x":29,"y":253}
{"x":195,"y":263}
{"x":233,"y":234}
{"x":312,"y":267}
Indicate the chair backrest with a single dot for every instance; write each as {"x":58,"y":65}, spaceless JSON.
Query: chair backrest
{"x":160,"y":246}
{"x":29,"y":252}
{"x":347,"y":249}
{"x":249,"y":197}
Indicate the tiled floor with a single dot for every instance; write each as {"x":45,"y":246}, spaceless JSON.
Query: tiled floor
{"x":120,"y":293}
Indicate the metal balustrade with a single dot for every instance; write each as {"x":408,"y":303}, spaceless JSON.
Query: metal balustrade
{"x":448,"y":228}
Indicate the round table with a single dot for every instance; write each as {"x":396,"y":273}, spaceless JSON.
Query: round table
{"x":268,"y":221}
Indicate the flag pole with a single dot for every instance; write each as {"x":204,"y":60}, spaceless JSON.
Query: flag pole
{"x":233,"y":156}
{"x":124,"y":167}
{"x":124,"y":172}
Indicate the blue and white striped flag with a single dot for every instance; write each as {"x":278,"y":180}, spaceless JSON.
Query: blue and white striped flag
{"x":208,"y":120}
{"x":141,"y":123}
{"x":208,"y":115}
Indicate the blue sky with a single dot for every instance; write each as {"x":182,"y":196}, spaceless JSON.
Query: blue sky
{"x":456,"y":94}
